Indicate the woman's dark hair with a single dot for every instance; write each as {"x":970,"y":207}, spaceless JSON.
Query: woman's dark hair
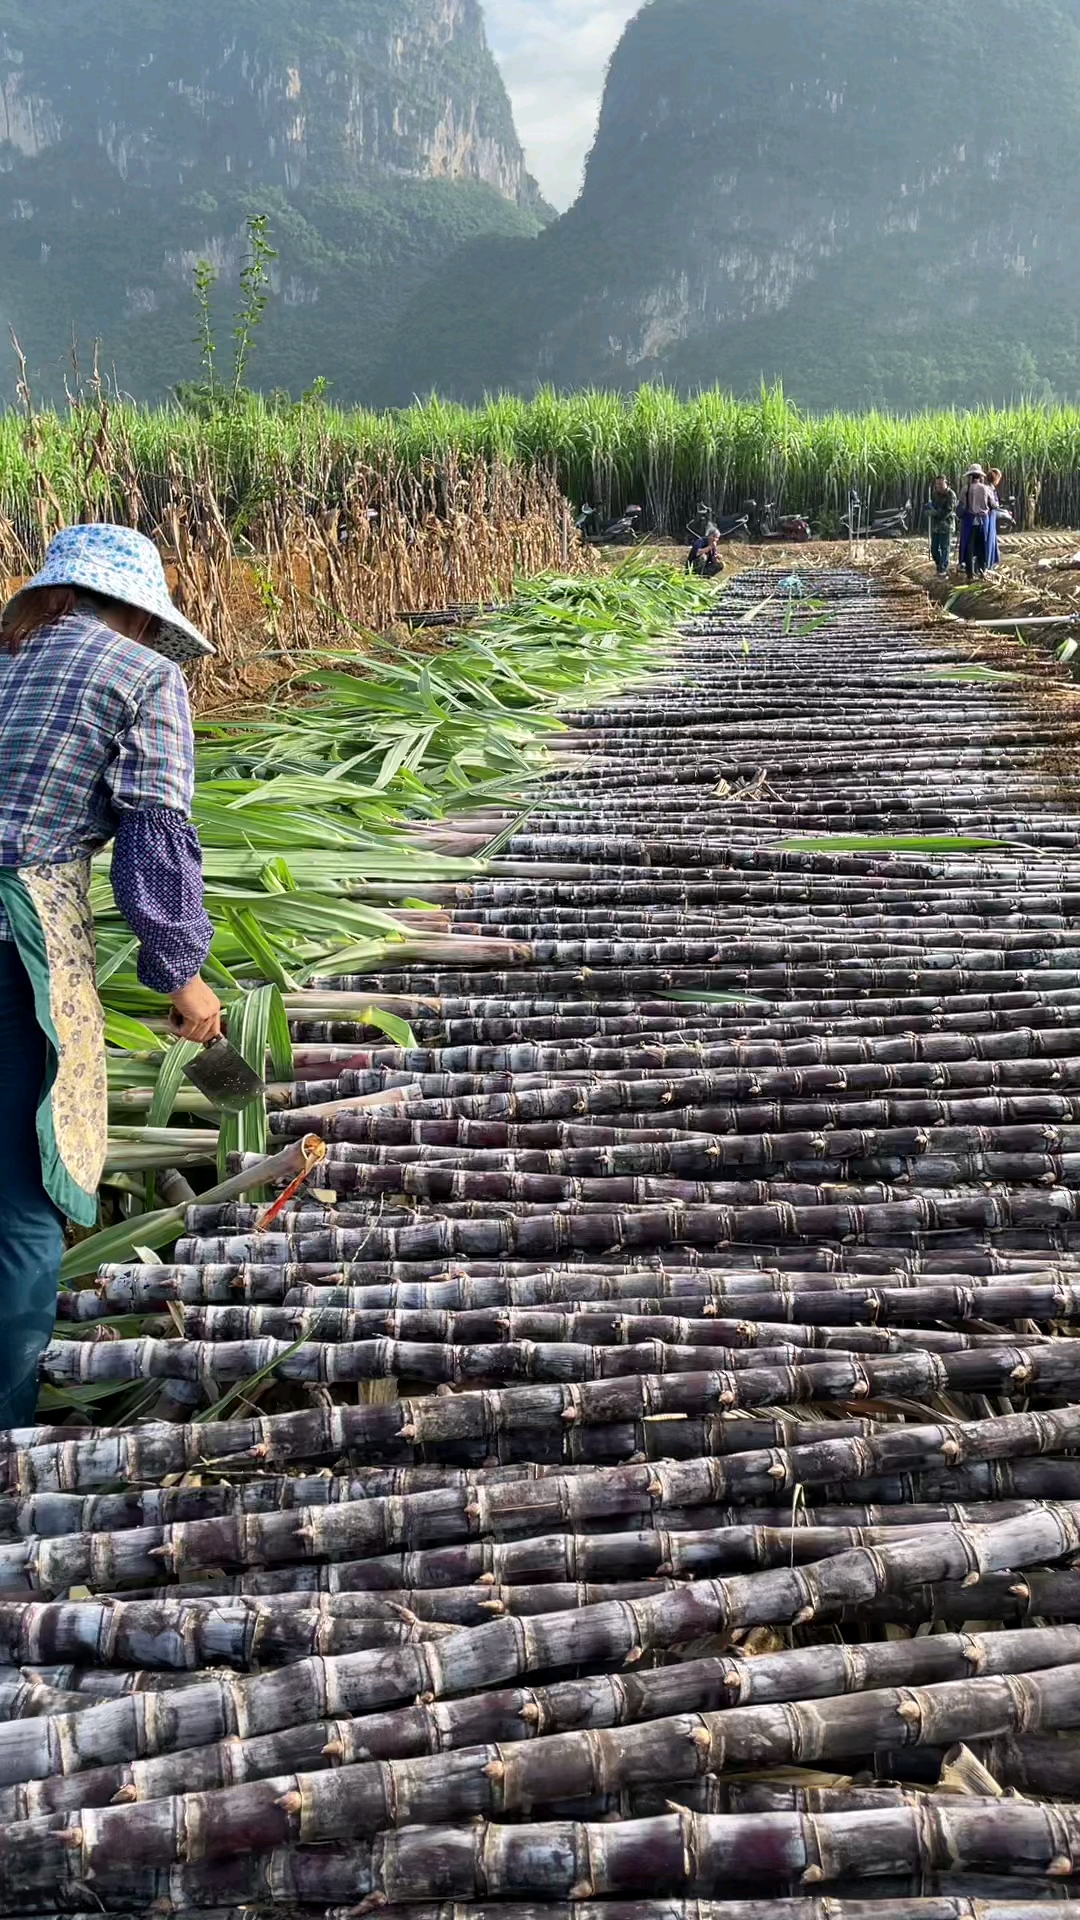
{"x":38,"y":607}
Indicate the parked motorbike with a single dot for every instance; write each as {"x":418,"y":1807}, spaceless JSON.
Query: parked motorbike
{"x":889,"y":523}
{"x":618,"y":533}
{"x":702,"y":526}
{"x":790,"y":529}
{"x":1006,"y":516}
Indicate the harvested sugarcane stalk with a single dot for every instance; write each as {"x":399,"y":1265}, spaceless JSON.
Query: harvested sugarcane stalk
{"x":479,"y":1657}
{"x":617,"y":1383}
{"x":683,"y":1853}
{"x":820,"y":1458}
{"x":536,"y":1713}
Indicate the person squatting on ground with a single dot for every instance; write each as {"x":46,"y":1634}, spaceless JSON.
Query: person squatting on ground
{"x":942,"y":524}
{"x":704,"y":556}
{"x":96,"y":745}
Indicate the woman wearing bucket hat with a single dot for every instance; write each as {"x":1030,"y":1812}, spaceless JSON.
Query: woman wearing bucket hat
{"x":95,"y":745}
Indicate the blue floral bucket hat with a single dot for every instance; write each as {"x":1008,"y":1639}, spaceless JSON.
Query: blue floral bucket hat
{"x":120,"y":564}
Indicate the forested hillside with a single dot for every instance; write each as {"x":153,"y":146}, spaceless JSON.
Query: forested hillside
{"x":875,"y":203}
{"x":136,"y":140}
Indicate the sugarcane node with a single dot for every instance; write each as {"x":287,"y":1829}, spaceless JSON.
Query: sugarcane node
{"x":1021,"y":1374}
{"x":530,"y":1713}
{"x":907,"y":1710}
{"x":1060,"y":1867}
{"x":971,"y":1579}
{"x":495,"y":1770}
{"x":804,"y":1615}
{"x":951,"y":1449}
{"x":812,"y":1874}
{"x":290,"y":1803}
{"x":334,"y":1750}
{"x":124,"y":1797}
{"x":777,"y":1472}
{"x":582,"y":1890}
{"x":72,"y":1837}
{"x":633,"y":1657}
{"x":1021,"y":1591}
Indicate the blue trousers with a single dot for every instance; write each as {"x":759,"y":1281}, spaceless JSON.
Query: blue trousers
{"x":941,"y":545}
{"x":31,"y":1229}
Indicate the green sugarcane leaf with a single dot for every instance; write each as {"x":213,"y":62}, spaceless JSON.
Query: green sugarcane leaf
{"x":246,"y":930}
{"x":279,"y":1039}
{"x":903,"y":843}
{"x":131,"y":1036}
{"x":115,"y":1245}
{"x":244,"y":1388}
{"x":249,"y":1032}
{"x":687,"y":997}
{"x":277,"y":878}
{"x":973,"y":673}
{"x":394,"y":1027}
{"x":218,"y":976}
{"x":113,"y":962}
{"x":169,"y":1081}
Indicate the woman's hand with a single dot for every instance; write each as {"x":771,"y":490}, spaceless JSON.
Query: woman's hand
{"x":196,"y":1013}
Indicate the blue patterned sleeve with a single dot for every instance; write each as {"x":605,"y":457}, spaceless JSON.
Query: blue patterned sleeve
{"x":158,"y":886}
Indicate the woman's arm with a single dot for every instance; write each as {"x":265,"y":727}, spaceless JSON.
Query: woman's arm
{"x":157,"y":863}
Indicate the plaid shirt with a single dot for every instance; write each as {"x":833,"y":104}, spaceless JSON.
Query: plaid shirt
{"x":96,"y":744}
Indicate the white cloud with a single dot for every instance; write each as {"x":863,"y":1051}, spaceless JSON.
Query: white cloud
{"x":553,"y":54}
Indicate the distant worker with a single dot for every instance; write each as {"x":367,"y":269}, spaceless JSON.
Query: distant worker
{"x":704,"y":556}
{"x":993,"y":554}
{"x":942,"y":525}
{"x":974,"y":504}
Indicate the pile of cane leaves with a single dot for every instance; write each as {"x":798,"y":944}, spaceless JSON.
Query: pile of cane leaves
{"x":319,"y":815}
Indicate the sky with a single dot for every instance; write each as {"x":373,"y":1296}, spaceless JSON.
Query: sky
{"x":553,"y":55}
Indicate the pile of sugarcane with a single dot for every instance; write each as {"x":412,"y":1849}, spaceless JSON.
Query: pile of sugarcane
{"x":638,"y":1476}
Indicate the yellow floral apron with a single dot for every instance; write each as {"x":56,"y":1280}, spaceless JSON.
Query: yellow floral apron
{"x":48,"y":910}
